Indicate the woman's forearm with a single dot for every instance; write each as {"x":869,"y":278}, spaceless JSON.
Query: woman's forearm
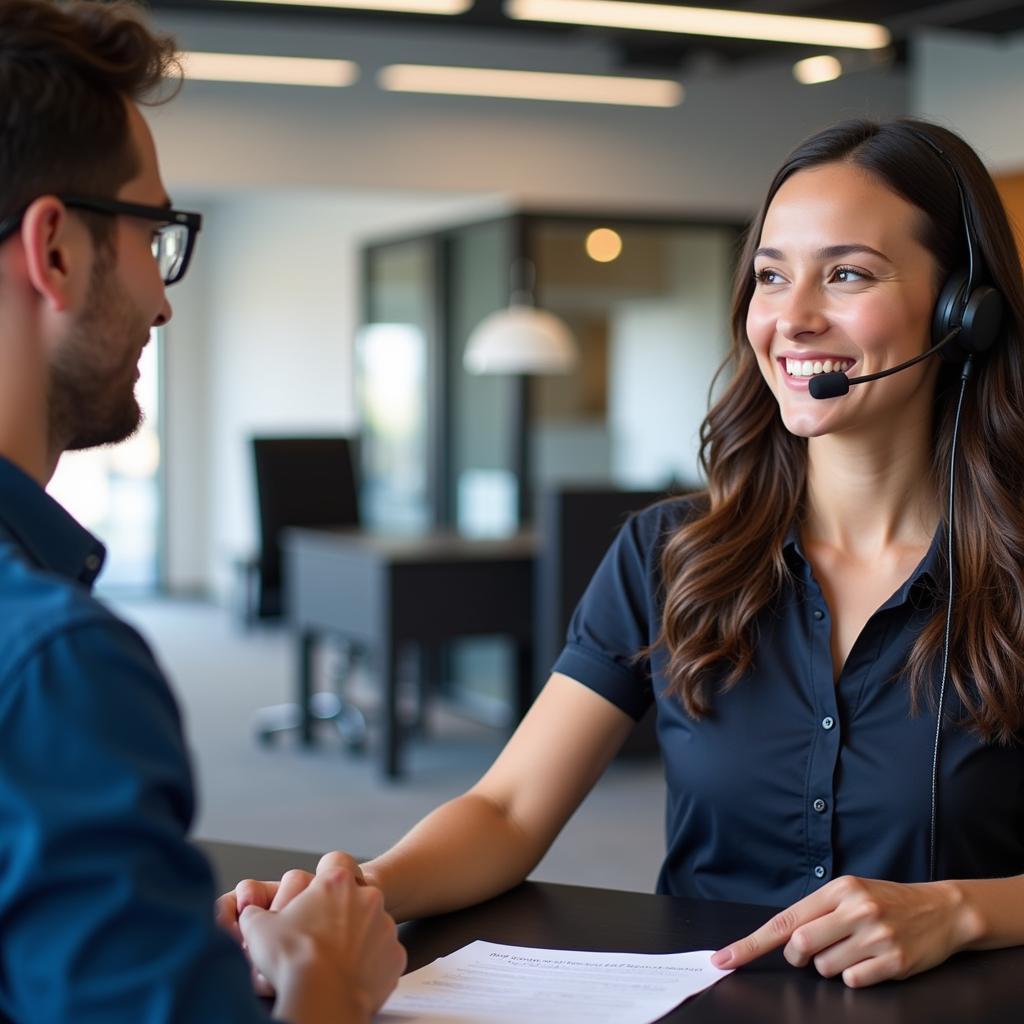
{"x":488,"y":840}
{"x":992,"y":912}
{"x":466,"y":851}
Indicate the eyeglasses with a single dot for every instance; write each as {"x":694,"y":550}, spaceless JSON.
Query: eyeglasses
{"x":173,"y":241}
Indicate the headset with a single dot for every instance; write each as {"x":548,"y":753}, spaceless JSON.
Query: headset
{"x":968,"y":315}
{"x":966,"y":323}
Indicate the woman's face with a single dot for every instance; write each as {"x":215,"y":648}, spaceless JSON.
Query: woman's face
{"x":842,"y":282}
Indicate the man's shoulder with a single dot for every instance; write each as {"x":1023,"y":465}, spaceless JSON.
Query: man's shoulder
{"x":37,"y":605}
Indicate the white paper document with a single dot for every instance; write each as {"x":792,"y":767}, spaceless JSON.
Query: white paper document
{"x":485,"y":982}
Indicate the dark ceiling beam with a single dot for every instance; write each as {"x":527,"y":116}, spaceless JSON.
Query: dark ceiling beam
{"x":949,"y":14}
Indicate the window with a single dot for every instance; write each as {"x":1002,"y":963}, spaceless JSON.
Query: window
{"x":115,"y":491}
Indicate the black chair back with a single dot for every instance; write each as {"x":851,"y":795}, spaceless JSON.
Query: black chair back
{"x":300,"y":481}
{"x":577,"y":525}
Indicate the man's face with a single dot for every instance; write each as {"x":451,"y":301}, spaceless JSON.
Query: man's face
{"x":95,"y":368}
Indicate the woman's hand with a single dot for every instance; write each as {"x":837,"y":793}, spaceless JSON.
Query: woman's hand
{"x":276,"y":896}
{"x":866,"y":930}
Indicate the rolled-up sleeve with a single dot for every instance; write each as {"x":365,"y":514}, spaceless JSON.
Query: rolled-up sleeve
{"x":106,"y":911}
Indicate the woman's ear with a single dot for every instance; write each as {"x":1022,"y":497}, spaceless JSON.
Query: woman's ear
{"x":56,"y":252}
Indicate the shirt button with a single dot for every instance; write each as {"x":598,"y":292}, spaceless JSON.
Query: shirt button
{"x":827,"y":722}
{"x":819,"y":614}
{"x":819,"y":805}
{"x":92,"y":562}
{"x":819,"y":872}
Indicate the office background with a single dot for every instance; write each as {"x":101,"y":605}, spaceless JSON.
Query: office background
{"x":294,"y":183}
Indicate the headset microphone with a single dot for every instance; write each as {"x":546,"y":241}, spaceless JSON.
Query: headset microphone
{"x":832,"y":385}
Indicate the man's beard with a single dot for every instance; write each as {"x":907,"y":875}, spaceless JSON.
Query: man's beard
{"x":92,"y":383}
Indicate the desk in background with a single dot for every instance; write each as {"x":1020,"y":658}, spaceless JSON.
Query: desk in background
{"x":385,"y":592}
{"x":972,"y":988}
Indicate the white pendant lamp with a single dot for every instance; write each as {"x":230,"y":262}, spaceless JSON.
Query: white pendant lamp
{"x":521,"y":339}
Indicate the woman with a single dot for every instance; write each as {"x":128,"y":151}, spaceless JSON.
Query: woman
{"x":789,"y":622}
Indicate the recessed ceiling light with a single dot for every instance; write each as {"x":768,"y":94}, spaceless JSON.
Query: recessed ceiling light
{"x":817,"y":69}
{"x":398,"y":6}
{"x":247,"y":67}
{"x":531,"y":85}
{"x":703,"y":21}
{"x":604,"y":245}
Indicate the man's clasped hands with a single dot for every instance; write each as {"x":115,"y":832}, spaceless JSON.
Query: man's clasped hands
{"x":331,"y":921}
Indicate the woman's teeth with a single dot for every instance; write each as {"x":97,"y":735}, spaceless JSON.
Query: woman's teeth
{"x":810,"y":367}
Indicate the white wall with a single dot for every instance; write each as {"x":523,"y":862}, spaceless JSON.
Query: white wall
{"x":974,"y":85}
{"x":261,"y":342}
{"x":186,"y":424}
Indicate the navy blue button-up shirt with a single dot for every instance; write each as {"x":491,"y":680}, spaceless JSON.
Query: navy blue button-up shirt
{"x":796,"y":778}
{"x":106,"y":912}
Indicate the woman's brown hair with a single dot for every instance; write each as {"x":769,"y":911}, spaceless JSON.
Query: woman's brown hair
{"x":725,"y":565}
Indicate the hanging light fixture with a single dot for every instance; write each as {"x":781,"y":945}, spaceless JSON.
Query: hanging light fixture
{"x":521,"y":339}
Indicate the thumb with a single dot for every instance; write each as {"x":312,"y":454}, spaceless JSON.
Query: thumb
{"x":251,"y":921}
{"x":257,"y":926}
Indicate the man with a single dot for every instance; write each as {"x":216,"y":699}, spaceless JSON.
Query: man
{"x":105,"y":910}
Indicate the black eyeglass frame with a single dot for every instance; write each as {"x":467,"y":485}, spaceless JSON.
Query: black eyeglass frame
{"x":193,"y":222}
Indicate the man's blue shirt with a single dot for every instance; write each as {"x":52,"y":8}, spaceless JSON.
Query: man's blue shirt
{"x":796,"y":777}
{"x":106,"y":911}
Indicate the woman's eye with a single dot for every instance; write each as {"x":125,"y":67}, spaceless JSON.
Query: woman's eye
{"x":767,"y":276}
{"x":847,"y":275}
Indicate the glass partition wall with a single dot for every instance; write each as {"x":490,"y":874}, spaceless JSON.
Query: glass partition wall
{"x":647,"y":301}
{"x":396,"y":363}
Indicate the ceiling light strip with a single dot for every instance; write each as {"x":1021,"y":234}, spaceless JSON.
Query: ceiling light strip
{"x":815,"y":70}
{"x":443,"y":7}
{"x":703,"y":21}
{"x":242,"y":67}
{"x":531,"y":85}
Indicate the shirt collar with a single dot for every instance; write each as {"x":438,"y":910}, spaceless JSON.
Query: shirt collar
{"x":924,"y":578}
{"x":44,"y":530}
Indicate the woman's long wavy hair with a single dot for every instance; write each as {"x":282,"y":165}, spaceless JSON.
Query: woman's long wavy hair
{"x":725,"y":565}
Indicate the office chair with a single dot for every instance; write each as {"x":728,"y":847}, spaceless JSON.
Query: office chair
{"x":577,"y":525}
{"x":301,"y":481}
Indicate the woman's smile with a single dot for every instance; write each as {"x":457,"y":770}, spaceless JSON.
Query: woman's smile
{"x":798,"y":369}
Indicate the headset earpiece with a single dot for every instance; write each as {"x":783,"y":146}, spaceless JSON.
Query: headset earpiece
{"x":978,"y":315}
{"x":981,"y":321}
{"x":947,"y":317}
{"x":976,"y":311}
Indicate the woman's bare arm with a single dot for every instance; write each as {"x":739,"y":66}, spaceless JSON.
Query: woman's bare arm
{"x":490,"y":838}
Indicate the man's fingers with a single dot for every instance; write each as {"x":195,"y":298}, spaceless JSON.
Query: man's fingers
{"x":291,"y":884}
{"x":260,"y":985}
{"x":249,"y":921}
{"x":340,"y":859}
{"x":250,"y":893}
{"x":226,"y":915}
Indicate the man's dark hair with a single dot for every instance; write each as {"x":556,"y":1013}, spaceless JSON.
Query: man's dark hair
{"x":66,"y":70}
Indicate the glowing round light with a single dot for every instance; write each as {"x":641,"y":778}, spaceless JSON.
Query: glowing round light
{"x":817,"y":69}
{"x":604,"y":245}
